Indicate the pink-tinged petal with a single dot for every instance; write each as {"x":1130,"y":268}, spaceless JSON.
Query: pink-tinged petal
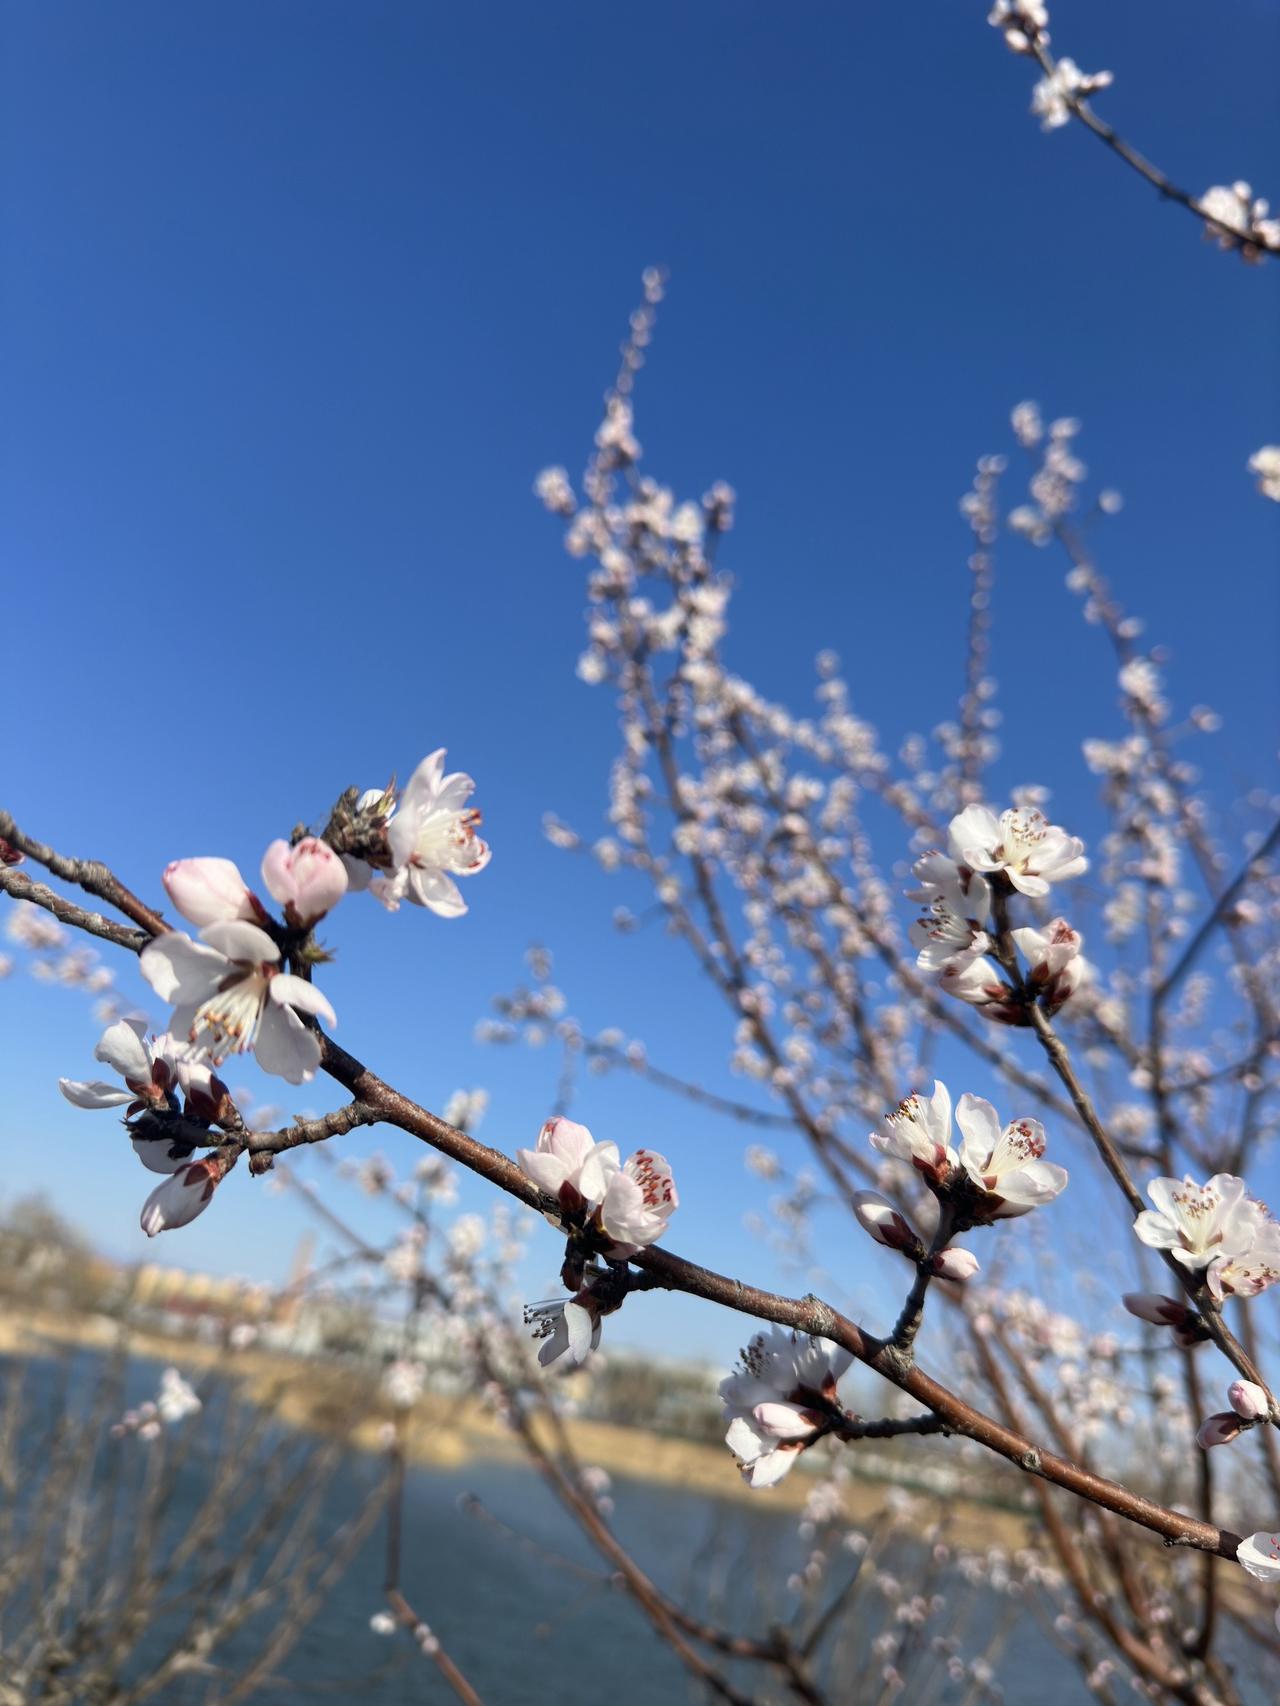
{"x":548,"y":1172}
{"x":955,"y":1264}
{"x":208,"y":891}
{"x":123,"y":1050}
{"x":784,"y":1421}
{"x":1248,"y":1399}
{"x":277,"y":873}
{"x":285,"y":1046}
{"x":177,"y":1202}
{"x":308,"y":879}
{"x":1219,"y":1430}
{"x":93,"y":1093}
{"x":567,"y":1139}
{"x":241,"y":941}
{"x":180,"y":970}
{"x":435,"y":890}
{"x":292,"y":991}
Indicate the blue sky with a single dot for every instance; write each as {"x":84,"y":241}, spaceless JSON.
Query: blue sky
{"x":298,"y":299}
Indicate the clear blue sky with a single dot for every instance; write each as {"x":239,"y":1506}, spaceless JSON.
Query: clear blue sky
{"x":299,"y":297}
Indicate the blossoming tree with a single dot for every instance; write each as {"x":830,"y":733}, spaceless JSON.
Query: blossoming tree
{"x":759,"y":836}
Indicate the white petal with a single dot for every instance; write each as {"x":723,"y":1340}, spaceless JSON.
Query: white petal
{"x":122,"y":1048}
{"x":578,"y":1324}
{"x":297,"y":992}
{"x":241,"y":941}
{"x":180,"y":970}
{"x":436,"y":890}
{"x":285,"y":1046}
{"x":980,"y":1124}
{"x":94,"y":1094}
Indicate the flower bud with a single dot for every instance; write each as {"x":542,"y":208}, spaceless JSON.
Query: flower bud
{"x":955,"y":1264}
{"x":1160,"y":1311}
{"x":1219,"y":1430}
{"x":1248,"y":1399}
{"x":184,"y":1194}
{"x":209,"y":891}
{"x":307,"y":880}
{"x":883,"y":1222}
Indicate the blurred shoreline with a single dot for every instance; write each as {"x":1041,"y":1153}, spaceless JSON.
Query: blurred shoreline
{"x":447,"y":1431}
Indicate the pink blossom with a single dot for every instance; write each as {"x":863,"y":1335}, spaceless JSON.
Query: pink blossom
{"x":210,"y":891}
{"x":307,"y":879}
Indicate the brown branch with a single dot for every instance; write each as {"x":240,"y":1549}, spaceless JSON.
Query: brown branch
{"x":88,"y":874}
{"x":18,"y":886}
{"x":1137,"y":162}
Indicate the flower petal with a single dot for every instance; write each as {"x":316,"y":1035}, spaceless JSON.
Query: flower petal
{"x":285,"y":1046}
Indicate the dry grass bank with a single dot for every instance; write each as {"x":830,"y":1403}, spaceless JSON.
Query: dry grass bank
{"x":448,"y":1432}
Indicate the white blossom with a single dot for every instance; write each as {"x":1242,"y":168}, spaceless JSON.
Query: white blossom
{"x":1265,"y":463}
{"x":1030,"y":852}
{"x":1260,"y":1555}
{"x":230,"y":995}
{"x":186,"y":1193}
{"x":1198,"y":1223}
{"x":432,"y":840}
{"x":1005,"y":1164}
{"x":1053,"y":96}
{"x":779,"y":1400}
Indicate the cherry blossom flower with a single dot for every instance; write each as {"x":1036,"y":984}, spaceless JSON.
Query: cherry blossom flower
{"x":147,"y":1068}
{"x":1254,"y":1267}
{"x":1023,"y":22}
{"x":1198,"y":1223}
{"x":629,"y":1202}
{"x":883,"y":1222}
{"x":153,"y":1070}
{"x":433,"y":839}
{"x":1260,"y":1555}
{"x":1265,"y":463}
{"x":1054,"y":96}
{"x":187,"y":1192}
{"x":1006,"y":1165}
{"x":230,"y":995}
{"x":383,"y":1623}
{"x":919,"y":1131}
{"x":639,"y":1199}
{"x":959,"y":901}
{"x":779,"y":1401}
{"x":1031,"y":852}
{"x":307,"y":879}
{"x":1245,"y":215}
{"x":1160,"y":1311}
{"x":567,"y":1326}
{"x":211,"y":891}
{"x":569,"y":1165}
{"x":1056,"y":968}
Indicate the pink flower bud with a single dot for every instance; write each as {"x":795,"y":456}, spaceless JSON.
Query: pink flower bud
{"x":1219,"y":1430}
{"x":1160,"y":1311}
{"x":307,"y":880}
{"x":883,"y":1222}
{"x":181,"y":1197}
{"x":955,"y":1264}
{"x":209,"y":891}
{"x":1248,"y":1399}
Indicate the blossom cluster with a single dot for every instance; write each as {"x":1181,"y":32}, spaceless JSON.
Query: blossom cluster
{"x":609,"y":1207}
{"x":243,"y":982}
{"x":1019,"y":851}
